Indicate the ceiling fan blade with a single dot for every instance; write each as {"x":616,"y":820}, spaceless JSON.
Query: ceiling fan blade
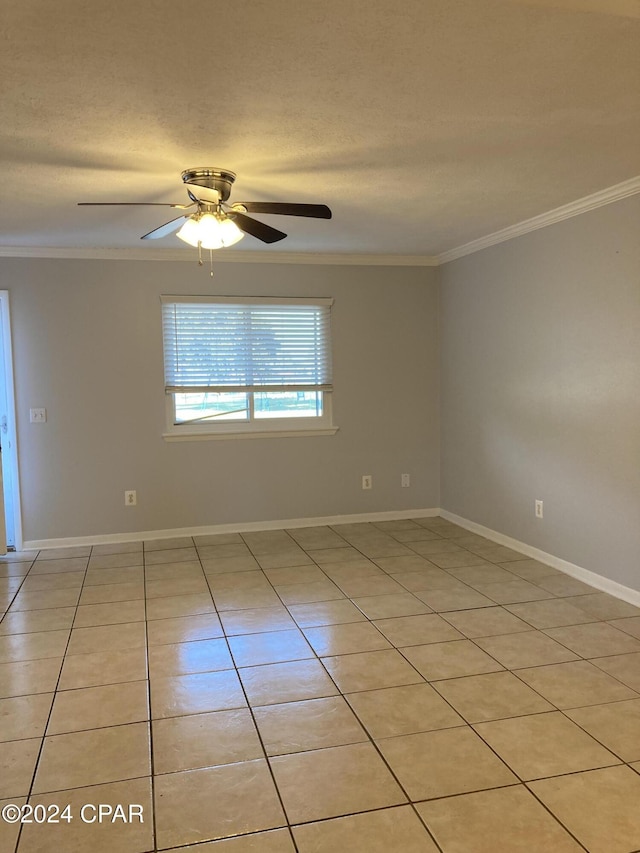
{"x":257,"y":229}
{"x":316,"y":211}
{"x":133,"y":204}
{"x":166,"y":229}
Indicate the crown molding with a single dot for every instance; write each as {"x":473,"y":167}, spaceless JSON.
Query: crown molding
{"x":567,"y":211}
{"x":131,"y":254}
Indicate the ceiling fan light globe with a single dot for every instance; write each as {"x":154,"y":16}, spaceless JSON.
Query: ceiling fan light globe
{"x":217,"y":232}
{"x":230,"y":233}
{"x":189,"y":232}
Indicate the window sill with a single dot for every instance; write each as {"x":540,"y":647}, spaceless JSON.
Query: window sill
{"x":224,"y":436}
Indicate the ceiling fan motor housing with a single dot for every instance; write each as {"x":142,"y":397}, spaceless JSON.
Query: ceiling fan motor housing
{"x":220,"y":180}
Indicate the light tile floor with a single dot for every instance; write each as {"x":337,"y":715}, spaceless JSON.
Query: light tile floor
{"x":403,"y":686}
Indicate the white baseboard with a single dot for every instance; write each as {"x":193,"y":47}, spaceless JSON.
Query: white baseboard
{"x":632,"y":596}
{"x":604,"y":584}
{"x":246,"y":527}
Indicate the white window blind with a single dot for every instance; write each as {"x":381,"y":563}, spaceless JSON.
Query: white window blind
{"x":252,"y":344}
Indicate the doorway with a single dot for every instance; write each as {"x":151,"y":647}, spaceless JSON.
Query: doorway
{"x":9,"y":492}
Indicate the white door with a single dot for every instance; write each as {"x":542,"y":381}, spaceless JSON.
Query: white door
{"x":3,"y":530}
{"x":10,"y":529}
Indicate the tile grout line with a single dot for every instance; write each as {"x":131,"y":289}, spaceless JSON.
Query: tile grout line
{"x":20,"y":585}
{"x":154,"y":832}
{"x":55,"y":693}
{"x":341,"y":694}
{"x":465,"y":725}
{"x":371,"y":743}
{"x":253,"y":719}
{"x":522,"y":782}
{"x":35,"y":766}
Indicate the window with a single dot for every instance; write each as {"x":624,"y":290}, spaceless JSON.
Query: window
{"x":246,"y":366}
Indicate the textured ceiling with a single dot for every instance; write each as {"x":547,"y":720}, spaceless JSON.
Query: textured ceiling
{"x":424,"y":125}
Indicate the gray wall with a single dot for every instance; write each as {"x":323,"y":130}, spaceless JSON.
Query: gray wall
{"x":541,"y":389}
{"x":88,"y":347}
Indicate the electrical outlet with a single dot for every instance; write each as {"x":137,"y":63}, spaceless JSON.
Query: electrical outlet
{"x":539,"y":509}
{"x":38,"y":416}
{"x":130,"y":498}
{"x":405,"y":481}
{"x":367,"y":481}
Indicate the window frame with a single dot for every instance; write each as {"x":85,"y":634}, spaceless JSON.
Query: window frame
{"x":271,"y":427}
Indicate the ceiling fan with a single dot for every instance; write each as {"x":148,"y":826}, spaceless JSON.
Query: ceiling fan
{"x":215,"y":224}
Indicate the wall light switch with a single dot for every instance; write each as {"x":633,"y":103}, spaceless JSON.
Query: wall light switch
{"x":38,"y":416}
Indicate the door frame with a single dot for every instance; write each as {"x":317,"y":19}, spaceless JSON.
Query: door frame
{"x":6,"y":364}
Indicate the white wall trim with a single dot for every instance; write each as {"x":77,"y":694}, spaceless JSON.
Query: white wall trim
{"x":231,"y":436}
{"x":230,"y":256}
{"x":246,"y":527}
{"x":595,"y":580}
{"x":574,"y":208}
{"x":12,"y":451}
{"x":632,"y":596}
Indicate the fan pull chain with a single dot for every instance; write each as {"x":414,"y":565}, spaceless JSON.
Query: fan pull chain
{"x":201,"y":262}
